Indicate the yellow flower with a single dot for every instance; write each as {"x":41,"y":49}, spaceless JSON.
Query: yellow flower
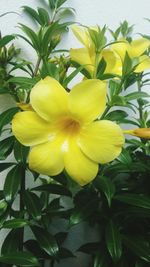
{"x":139,"y":132}
{"x":135,"y":49}
{"x":87,"y":55}
{"x":62,"y":132}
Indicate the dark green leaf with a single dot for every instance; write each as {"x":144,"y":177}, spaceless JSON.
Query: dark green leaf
{"x":136,"y":95}
{"x":116,"y":115}
{"x":127,"y":65}
{"x":20,"y":152}
{"x":46,"y":241}
{"x":65,"y":253}
{"x":20,"y":258}
{"x":3,"y":206}
{"x":106,"y":186}
{"x":32,"y":203}
{"x":34,"y":15}
{"x":90,"y":248}
{"x":138,"y":247}
{"x":54,"y":189}
{"x":101,"y":260}
{"x":15,"y":223}
{"x":7,"y":116}
{"x":4,"y":166}
{"x":12,"y":182}
{"x":6,"y":146}
{"x":134,"y":200}
{"x":11,"y":242}
{"x":113,"y":241}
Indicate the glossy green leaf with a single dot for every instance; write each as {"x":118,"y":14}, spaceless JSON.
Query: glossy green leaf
{"x":127,"y":65}
{"x":3,"y":206}
{"x":6,"y":146}
{"x":46,"y":241}
{"x":12,"y":182}
{"x":20,"y":152}
{"x":105,"y":185}
{"x":136,"y":95}
{"x":116,"y":115}
{"x":6,"y":116}
{"x":32,"y":204}
{"x":30,"y":11}
{"x":5,"y":165}
{"x":134,"y":200}
{"x":90,"y":248}
{"x":113,"y":241}
{"x":11,"y":242}
{"x":54,"y":189}
{"x":19,"y":258}
{"x":15,"y":223}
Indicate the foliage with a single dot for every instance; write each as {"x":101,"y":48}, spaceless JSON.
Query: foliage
{"x":117,"y":203}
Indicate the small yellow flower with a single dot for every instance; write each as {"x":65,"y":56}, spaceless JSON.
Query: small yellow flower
{"x":62,"y":130}
{"x":139,"y":132}
{"x":87,"y":55}
{"x":135,"y":49}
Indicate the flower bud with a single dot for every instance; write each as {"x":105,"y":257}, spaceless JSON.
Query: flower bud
{"x":139,"y":132}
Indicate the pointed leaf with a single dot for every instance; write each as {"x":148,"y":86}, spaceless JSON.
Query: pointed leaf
{"x":20,"y":258}
{"x":32,"y":203}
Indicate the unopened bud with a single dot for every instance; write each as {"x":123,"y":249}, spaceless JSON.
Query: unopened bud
{"x":139,"y":132}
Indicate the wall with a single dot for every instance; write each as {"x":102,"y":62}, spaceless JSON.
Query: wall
{"x":88,"y":12}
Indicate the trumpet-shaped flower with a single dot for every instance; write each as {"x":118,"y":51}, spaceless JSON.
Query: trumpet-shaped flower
{"x":63,"y":131}
{"x":87,"y":55}
{"x":135,"y":50}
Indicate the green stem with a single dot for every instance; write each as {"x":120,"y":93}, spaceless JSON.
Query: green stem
{"x":96,"y":64}
{"x":139,"y":103}
{"x":22,"y":189}
{"x":37,"y":66}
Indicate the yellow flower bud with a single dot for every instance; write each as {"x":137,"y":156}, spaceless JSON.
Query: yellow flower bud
{"x":139,"y":132}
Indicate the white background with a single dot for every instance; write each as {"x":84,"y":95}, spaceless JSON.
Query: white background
{"x":88,"y":12}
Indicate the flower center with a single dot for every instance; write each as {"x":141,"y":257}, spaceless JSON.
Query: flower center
{"x":70,"y":126}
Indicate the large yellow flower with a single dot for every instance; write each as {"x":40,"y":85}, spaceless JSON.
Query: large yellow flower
{"x":63,"y":133}
{"x":87,"y":55}
{"x":135,"y":50}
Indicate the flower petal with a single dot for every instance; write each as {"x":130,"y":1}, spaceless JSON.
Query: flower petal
{"x":30,"y":129}
{"x":81,"y":34}
{"x":121,"y":48}
{"x":102,"y":141}
{"x":144,"y":64}
{"x":138,"y":47}
{"x":87,"y":100}
{"x":82,"y":57}
{"x":80,"y":168}
{"x":49,"y":99}
{"x":47,"y":158}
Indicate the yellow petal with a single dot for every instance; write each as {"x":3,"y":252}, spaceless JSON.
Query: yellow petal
{"x":81,"y":34}
{"x":47,"y":158}
{"x":80,"y":168}
{"x":30,"y":129}
{"x":114,"y":64}
{"x":87,"y":100}
{"x":82,"y":57}
{"x":49,"y":99}
{"x":138,"y":47}
{"x":102,"y":141}
{"x":143,"y":65}
{"x":121,"y":48}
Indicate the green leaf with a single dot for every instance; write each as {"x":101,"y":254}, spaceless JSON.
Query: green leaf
{"x":89,"y":248}
{"x":12,"y":182}
{"x":24,"y":82}
{"x":134,"y":200}
{"x":32,"y":36}
{"x":113,"y":241}
{"x":5,"y":40}
{"x":6,"y":146}
{"x":101,"y":260}
{"x":72,"y":75}
{"x":127,"y":65}
{"x":83,"y":71}
{"x":136,"y":95}
{"x":65,"y":253}
{"x":101,"y":67}
{"x":4,"y":91}
{"x":32,"y":203}
{"x":11,"y":242}
{"x":49,"y":69}
{"x":4,"y":166}
{"x":116,"y":115}
{"x":7,"y":116}
{"x":138,"y":247}
{"x":20,"y":152}
{"x":44,"y":16}
{"x":15,"y":223}
{"x":54,"y":189}
{"x":20,"y":258}
{"x":106,"y":186}
{"x":46,"y":241}
{"x":3,"y":206}
{"x":34,"y":15}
